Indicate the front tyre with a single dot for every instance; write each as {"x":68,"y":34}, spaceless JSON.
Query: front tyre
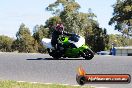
{"x":55,"y":54}
{"x":88,"y":54}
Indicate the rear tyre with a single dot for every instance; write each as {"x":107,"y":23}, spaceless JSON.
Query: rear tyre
{"x":88,"y":54}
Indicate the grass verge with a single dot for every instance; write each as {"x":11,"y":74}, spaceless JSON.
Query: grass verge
{"x":14,"y":84}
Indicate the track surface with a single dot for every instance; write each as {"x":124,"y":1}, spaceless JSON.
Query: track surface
{"x":41,"y":68}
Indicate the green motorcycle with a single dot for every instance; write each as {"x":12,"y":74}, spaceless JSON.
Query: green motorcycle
{"x":71,"y":47}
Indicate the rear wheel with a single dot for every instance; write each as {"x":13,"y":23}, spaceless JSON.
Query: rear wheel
{"x":88,"y":54}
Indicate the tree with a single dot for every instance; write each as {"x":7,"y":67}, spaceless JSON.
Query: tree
{"x":25,"y":42}
{"x":119,"y":40}
{"x":67,"y":12}
{"x":63,"y":5}
{"x":51,"y":23}
{"x":15,"y":45}
{"x":39,"y":33}
{"x":5,"y":43}
{"x":122,"y":17}
{"x":97,"y":39}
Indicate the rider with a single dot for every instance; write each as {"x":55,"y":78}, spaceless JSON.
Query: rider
{"x":58,"y":30}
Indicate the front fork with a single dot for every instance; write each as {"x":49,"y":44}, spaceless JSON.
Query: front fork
{"x":49,"y":51}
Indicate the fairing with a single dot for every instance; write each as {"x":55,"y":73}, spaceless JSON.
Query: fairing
{"x":46,"y":42}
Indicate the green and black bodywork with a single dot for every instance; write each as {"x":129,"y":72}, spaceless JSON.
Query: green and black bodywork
{"x":71,"y":51}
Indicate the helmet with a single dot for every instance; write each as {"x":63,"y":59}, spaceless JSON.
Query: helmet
{"x":59,"y":28}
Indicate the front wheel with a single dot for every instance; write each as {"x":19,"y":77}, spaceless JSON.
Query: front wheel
{"x":88,"y":54}
{"x":55,"y":54}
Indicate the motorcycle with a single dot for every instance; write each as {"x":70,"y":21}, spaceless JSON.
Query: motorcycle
{"x":71,"y":47}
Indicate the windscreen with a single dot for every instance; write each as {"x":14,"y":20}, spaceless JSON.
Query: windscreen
{"x":74,"y":38}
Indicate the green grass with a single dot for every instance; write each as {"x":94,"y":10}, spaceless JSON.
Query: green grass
{"x":14,"y":84}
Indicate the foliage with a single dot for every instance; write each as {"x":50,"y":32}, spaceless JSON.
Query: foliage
{"x":85,"y":24}
{"x":67,"y":12}
{"x":63,"y":5}
{"x":98,"y":39}
{"x":122,"y":17}
{"x":119,"y":40}
{"x":51,"y":23}
{"x":14,"y":84}
{"x":40,"y":32}
{"x":25,"y":42}
{"x":5,"y":43}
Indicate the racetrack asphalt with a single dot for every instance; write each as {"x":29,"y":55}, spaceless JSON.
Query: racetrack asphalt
{"x":41,"y":68}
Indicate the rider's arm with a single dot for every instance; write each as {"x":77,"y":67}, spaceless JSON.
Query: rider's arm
{"x":66,"y":33}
